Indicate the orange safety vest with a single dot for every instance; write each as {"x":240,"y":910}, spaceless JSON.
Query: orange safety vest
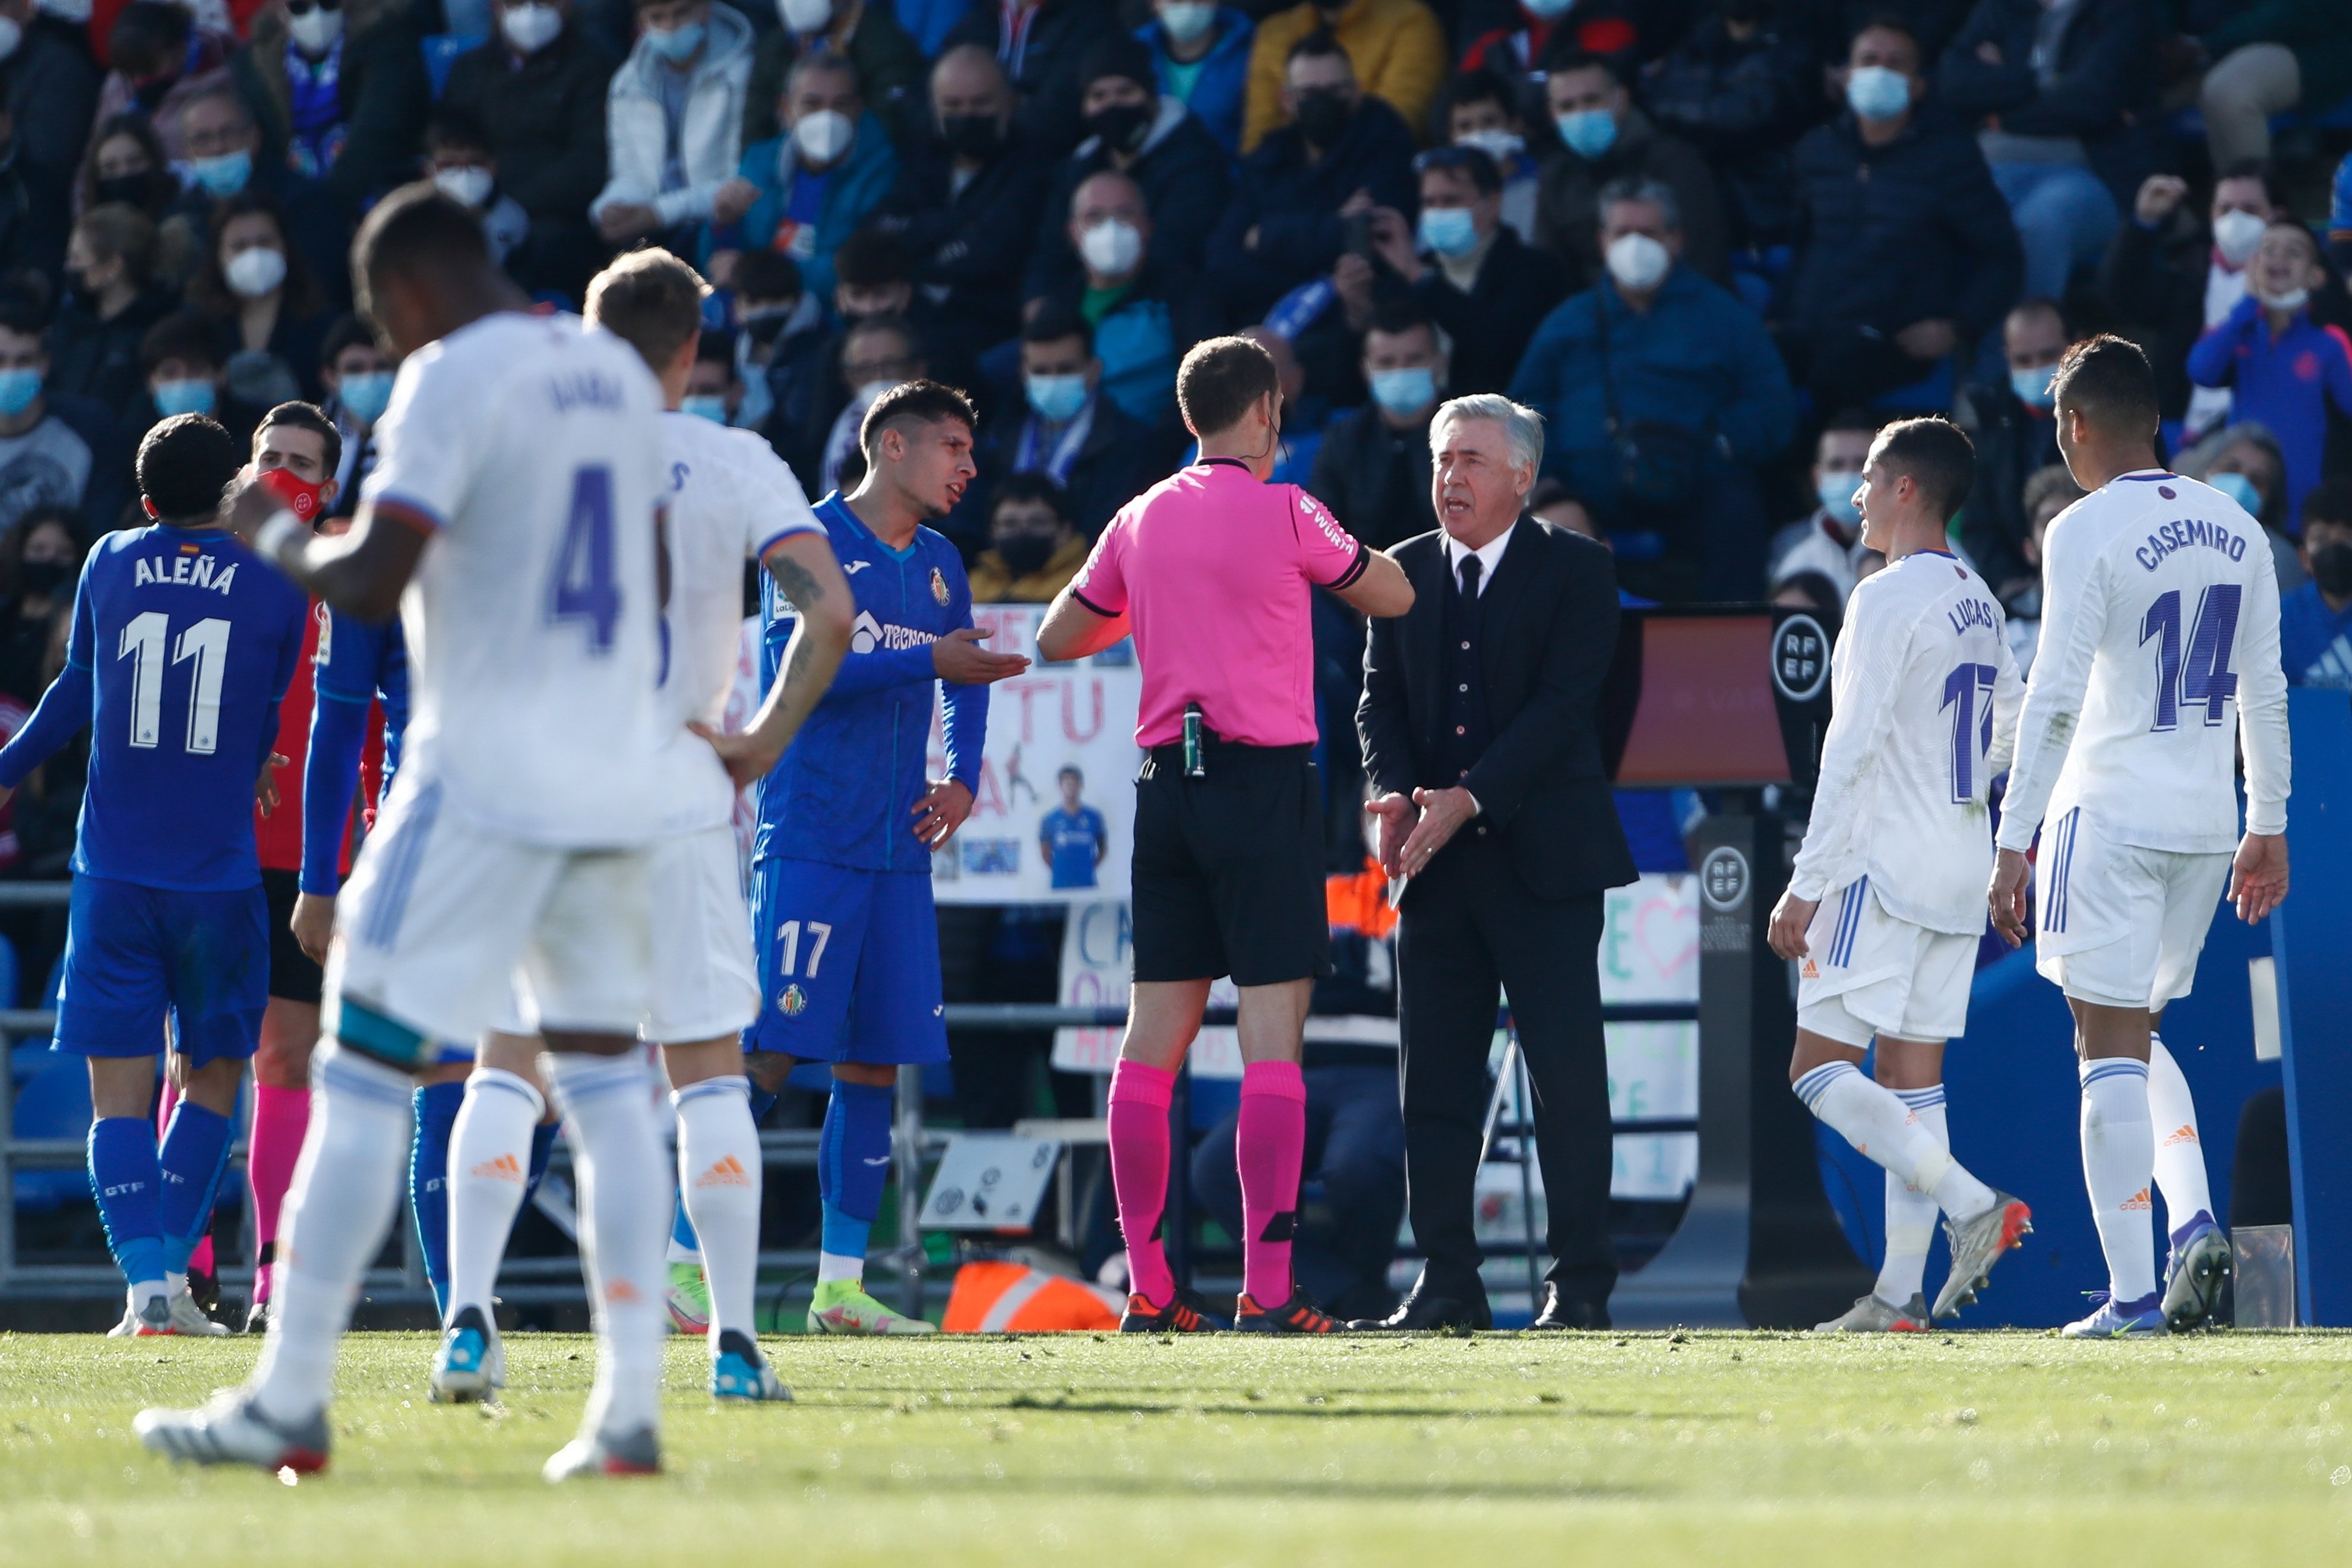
{"x":1015,"y":1299}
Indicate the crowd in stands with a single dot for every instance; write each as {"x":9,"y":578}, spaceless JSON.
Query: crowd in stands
{"x":1714,"y":242}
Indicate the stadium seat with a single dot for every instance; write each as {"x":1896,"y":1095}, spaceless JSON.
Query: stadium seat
{"x":52,"y":1101}
{"x":441,"y":52}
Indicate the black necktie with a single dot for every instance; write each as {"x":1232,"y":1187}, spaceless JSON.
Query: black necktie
{"x":1470,"y":571}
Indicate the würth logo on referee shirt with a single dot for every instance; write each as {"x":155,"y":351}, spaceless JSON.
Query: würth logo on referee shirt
{"x":726,"y":1173}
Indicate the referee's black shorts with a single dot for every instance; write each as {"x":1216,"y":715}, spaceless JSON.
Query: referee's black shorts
{"x":1229,"y":868}
{"x":293,"y":975}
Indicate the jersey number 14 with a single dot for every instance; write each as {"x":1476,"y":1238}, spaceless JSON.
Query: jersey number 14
{"x":2204,"y":676}
{"x":206,"y":642}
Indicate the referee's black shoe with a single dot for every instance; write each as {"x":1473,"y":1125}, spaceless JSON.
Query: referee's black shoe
{"x":1299,"y":1315}
{"x":1187,"y":1314}
{"x":1561,"y":1310}
{"x":1425,"y":1309}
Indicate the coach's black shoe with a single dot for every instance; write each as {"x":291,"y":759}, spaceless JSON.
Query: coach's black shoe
{"x":1569,"y":1312}
{"x":1187,"y":1314}
{"x":1425,"y":1309}
{"x":1299,"y":1315}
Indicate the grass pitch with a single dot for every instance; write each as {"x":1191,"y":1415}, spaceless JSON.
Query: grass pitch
{"x":1754,"y":1449}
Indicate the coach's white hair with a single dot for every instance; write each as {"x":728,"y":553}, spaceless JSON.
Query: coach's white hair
{"x":1523,"y":427}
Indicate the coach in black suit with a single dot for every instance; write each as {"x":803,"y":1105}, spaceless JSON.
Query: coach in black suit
{"x":1480,"y":729}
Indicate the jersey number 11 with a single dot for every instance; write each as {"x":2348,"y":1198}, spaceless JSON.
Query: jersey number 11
{"x":206,"y":642}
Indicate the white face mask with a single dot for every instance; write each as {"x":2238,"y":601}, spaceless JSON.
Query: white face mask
{"x":255,"y":272}
{"x":531,"y":28}
{"x":316,"y":31}
{"x":2236,"y":233}
{"x":805,"y":15}
{"x":2293,"y":300}
{"x":467,"y":182}
{"x":824,"y":135}
{"x":1186,"y":19}
{"x":1638,"y":262}
{"x":11,"y":36}
{"x":1495,"y":143}
{"x":1112,"y":247}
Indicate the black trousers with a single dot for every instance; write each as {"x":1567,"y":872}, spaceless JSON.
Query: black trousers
{"x":1471,"y":930}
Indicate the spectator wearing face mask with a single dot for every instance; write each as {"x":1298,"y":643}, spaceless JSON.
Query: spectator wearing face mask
{"x":48,"y":86}
{"x":2315,"y":619}
{"x":2014,"y":430}
{"x":44,"y":460}
{"x":1904,"y":251}
{"x":1041,"y":44}
{"x":966,"y":202}
{"x":2243,"y":462}
{"x":1603,"y":138}
{"x":779,"y":339}
{"x":1307,"y":195}
{"x":184,"y":375}
{"x":44,"y":547}
{"x":162,"y":60}
{"x":538,"y":90}
{"x":338,"y":89}
{"x":1395,"y":49}
{"x":1828,"y":540}
{"x":1741,"y":86}
{"x":1469,"y":274}
{"x":1663,"y":394}
{"x":865,"y":33}
{"x":127,"y":165}
{"x":1479,"y":108}
{"x":1145,"y":309}
{"x":2050,"y":492}
{"x":877,"y":355}
{"x":268,"y":314}
{"x":2176,"y":277}
{"x":1373,"y":466}
{"x":227,"y":163}
{"x":1200,"y":58}
{"x":802,"y":192}
{"x":357,"y":376}
{"x":2282,"y":369}
{"x":1134,"y":129}
{"x":110,"y":300}
{"x":674,"y":121}
{"x":1033,"y":548}
{"x":713,"y":391}
{"x":1066,"y":427}
{"x":459,"y":158}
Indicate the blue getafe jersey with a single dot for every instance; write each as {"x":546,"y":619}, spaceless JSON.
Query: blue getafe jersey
{"x":183,"y":642}
{"x":1073,"y":837}
{"x":361,"y":663}
{"x":845,"y":789}
{"x":357,"y":665}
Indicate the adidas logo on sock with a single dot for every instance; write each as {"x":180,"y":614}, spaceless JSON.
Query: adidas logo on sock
{"x":2137,"y":1202}
{"x":506,"y":1168}
{"x":726,"y":1173}
{"x":2185,"y":1135}
{"x":621,"y":1290}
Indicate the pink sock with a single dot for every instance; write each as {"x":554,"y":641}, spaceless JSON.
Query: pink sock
{"x":1139,"y":1173}
{"x":1269,"y":1144}
{"x":280,"y":1119}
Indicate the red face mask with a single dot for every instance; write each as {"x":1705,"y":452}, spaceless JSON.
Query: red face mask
{"x":301,"y":498}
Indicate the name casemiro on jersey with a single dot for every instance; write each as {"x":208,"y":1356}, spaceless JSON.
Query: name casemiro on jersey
{"x":2182,"y":534}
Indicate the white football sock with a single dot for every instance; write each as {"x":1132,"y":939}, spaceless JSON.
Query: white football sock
{"x":346,"y":1189}
{"x":625,"y":1193}
{"x":489,"y":1170}
{"x":719,"y":1172}
{"x":2180,"y":1154}
{"x":1910,"y":1213}
{"x":2118,"y":1163}
{"x":1880,"y":1126}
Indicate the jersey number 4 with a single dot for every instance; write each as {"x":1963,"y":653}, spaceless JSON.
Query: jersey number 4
{"x":582,"y":586}
{"x":1968,"y":692}
{"x":2204,"y":676}
{"x":206,"y":642}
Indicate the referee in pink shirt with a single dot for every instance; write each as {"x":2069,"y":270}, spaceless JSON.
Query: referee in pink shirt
{"x":1211,"y":570}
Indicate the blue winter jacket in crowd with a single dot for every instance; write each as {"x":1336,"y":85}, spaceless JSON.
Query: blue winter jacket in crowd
{"x":1222,"y":84}
{"x":2285,"y":382}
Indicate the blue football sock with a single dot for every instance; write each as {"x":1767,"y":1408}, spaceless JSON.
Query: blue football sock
{"x":853,"y":1164}
{"x":436,"y":1106}
{"x":193,"y":1155}
{"x":124,"y":1175}
{"x":542,"y":1148}
{"x":763,"y":1100}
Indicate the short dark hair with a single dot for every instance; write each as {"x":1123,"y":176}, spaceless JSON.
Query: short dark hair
{"x":651,"y":300}
{"x":148,"y":37}
{"x":768,"y":275}
{"x":182,"y":334}
{"x":1035,"y":485}
{"x":305,"y":417}
{"x":1855,"y":418}
{"x":1889,"y":22}
{"x":347,"y":331}
{"x":870,"y":258}
{"x":184,"y":464}
{"x":2330,"y":501}
{"x":1935,"y":454}
{"x":415,"y":228}
{"x":1121,"y":56}
{"x":1566,"y":55}
{"x":2039,"y":304}
{"x":1395,"y":316}
{"x":2107,"y":381}
{"x":2254,"y":169}
{"x":1316,"y":45}
{"x":454,"y":125}
{"x":1475,"y":161}
{"x":23,"y":313}
{"x":1218,"y":381}
{"x":1055,"y":321}
{"x":1478,"y":86}
{"x":921,"y":402}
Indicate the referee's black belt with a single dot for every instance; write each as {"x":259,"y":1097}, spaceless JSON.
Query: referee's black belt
{"x":1239,"y":752}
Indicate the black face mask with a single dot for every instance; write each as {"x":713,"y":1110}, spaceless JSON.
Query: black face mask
{"x":2331,"y":568}
{"x":974,"y":136}
{"x":1025,"y":553}
{"x":1122,"y":126}
{"x":765,"y":329}
{"x":42,"y":579}
{"x":142,"y":191}
{"x":1323,"y":116}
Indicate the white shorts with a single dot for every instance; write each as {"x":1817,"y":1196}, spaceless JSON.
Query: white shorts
{"x":440,"y":917}
{"x":2120,"y":926}
{"x":1866,"y":974}
{"x":705,"y":982}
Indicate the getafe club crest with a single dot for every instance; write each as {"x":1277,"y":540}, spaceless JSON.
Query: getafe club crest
{"x":794,"y":1001}
{"x":938,"y":586}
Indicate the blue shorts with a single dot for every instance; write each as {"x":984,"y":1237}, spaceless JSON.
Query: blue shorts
{"x":849,"y":964}
{"x":135,"y":953}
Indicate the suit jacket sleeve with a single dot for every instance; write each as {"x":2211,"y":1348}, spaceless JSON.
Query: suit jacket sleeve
{"x":1382,"y":723}
{"x":1579,"y":644}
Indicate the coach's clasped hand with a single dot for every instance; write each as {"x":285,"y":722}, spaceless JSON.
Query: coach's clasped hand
{"x":1443,"y":812}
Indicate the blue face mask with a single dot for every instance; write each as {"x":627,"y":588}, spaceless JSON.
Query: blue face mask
{"x":1836,"y":492}
{"x":2239,"y":488}
{"x":1589,"y":133}
{"x":367,"y":395}
{"x":704,"y":406}
{"x":678,"y":45}
{"x":222,"y":177}
{"x":17,"y":390}
{"x":1876,"y":93}
{"x":176,"y":397}
{"x":1404,"y":392}
{"x":1058,"y":398}
{"x":2032,"y":386}
{"x":1449,"y":231}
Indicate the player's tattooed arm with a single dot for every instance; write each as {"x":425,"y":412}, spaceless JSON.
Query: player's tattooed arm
{"x":811,"y":579}
{"x":361,"y":572}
